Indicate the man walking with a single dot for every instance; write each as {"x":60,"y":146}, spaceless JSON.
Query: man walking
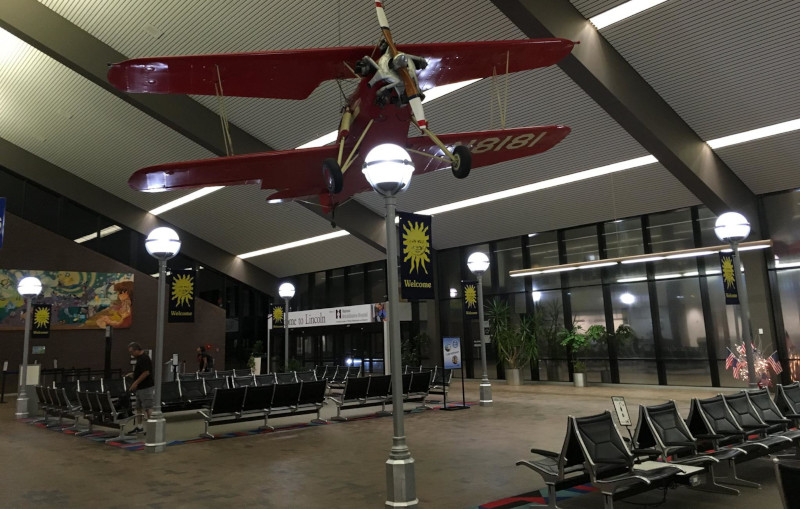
{"x":142,"y":385}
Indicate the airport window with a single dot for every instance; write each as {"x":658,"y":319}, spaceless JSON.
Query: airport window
{"x":630,"y":303}
{"x":12,"y":188}
{"x":41,"y":207}
{"x":509,"y":257}
{"x":543,"y":252}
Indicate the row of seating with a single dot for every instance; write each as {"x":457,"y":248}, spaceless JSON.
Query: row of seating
{"x":95,"y":406}
{"x":264,"y":401}
{"x":726,"y":428}
{"x":377,"y":390}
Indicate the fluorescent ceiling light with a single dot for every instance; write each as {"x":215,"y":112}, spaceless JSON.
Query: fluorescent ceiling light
{"x":184,"y":200}
{"x":752,"y":248}
{"x":544,"y":184}
{"x":631,"y":279}
{"x":755,"y":134}
{"x":689,"y":255}
{"x":690,"y":274}
{"x":297,"y":243}
{"x":789,"y":265}
{"x":667,"y":276}
{"x":643,"y":260}
{"x":105,"y":232}
{"x":560,"y":269}
{"x":596,"y":265}
{"x":623,"y":11}
{"x":323,"y":140}
{"x":530,"y":273}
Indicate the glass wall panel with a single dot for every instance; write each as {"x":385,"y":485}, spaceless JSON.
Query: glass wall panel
{"x":581,"y":246}
{"x":449,"y":271}
{"x":552,"y":356}
{"x":587,"y":310}
{"x":376,"y":279}
{"x":355,"y":285}
{"x":670,"y":231}
{"x":76,"y":221}
{"x":683,"y":332}
{"x":320,"y":299}
{"x":630,"y":303}
{"x":624,"y":237}
{"x":706,"y":220}
{"x":543,"y":252}
{"x":509,"y":257}
{"x":336,"y":288}
{"x":783,"y":219}
{"x":789,"y":287}
{"x":41,"y":207}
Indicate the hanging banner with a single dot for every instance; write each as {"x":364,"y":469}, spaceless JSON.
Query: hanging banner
{"x":2,"y":219}
{"x":181,"y":296}
{"x":729,"y":278}
{"x":451,"y":348}
{"x":277,"y":316}
{"x":470,"y":298}
{"x":416,"y":278}
{"x":40,"y":321}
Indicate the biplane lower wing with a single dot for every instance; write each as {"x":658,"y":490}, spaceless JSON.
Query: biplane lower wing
{"x":284,"y":169}
{"x":487,"y":147}
{"x":294,"y":74}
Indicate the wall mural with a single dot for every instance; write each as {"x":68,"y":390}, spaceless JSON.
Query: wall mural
{"x":79,"y":300}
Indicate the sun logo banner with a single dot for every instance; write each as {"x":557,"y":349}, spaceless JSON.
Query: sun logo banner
{"x":470,"y":299}
{"x":40,"y":321}
{"x":181,"y":290}
{"x":416,"y":272}
{"x":729,"y":278}
{"x":277,"y":316}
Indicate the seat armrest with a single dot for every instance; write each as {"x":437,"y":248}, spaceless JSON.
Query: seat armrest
{"x":680,"y":444}
{"x":755,"y":426}
{"x":710,"y":437}
{"x":778,"y":421}
{"x":646,"y":452}
{"x":549,"y":454}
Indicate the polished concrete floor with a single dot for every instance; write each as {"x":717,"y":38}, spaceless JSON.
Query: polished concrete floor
{"x":463,"y":459}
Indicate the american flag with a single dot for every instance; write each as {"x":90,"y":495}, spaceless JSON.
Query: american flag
{"x":741,"y":349}
{"x":729,"y":359}
{"x":775,"y":363}
{"x":736,"y":367}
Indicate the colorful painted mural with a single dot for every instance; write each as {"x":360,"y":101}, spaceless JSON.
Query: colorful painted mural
{"x":79,"y":300}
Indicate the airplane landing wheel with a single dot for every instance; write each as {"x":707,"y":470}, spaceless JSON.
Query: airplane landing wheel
{"x":332,"y":173}
{"x":462,"y":161}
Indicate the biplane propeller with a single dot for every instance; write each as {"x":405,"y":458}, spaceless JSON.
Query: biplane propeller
{"x":387,"y":99}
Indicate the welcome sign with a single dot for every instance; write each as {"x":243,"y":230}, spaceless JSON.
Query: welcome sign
{"x":416,"y":278}
{"x":344,"y":315}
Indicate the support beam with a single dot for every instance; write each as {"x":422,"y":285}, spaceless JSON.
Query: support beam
{"x":68,"y":44}
{"x":613,"y":83}
{"x":359,"y":220}
{"x":125,"y":214}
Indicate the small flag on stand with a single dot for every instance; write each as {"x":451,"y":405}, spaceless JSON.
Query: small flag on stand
{"x":737,"y":366}
{"x":729,"y":359}
{"x":775,"y":363}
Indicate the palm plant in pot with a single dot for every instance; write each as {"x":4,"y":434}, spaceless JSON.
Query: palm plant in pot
{"x":577,"y":341}
{"x":515,"y":344}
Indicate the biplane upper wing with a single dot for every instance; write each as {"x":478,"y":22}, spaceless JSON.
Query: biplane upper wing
{"x":487,"y":147}
{"x":299,"y":170}
{"x":294,"y":74}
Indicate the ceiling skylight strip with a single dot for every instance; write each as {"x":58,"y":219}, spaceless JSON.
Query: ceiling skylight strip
{"x":105,"y":232}
{"x":184,"y":200}
{"x":297,"y":243}
{"x":755,"y":134}
{"x":622,"y":11}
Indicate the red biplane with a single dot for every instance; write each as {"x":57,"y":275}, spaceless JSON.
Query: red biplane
{"x":386,"y":101}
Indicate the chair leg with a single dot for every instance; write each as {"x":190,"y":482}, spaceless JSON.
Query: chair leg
{"x":206,"y":433}
{"x":608,"y":501}
{"x":795,"y":455}
{"x":87,"y":431}
{"x":733,"y":478}
{"x":318,"y":420}
{"x":338,"y":416}
{"x":383,"y":412}
{"x":121,"y":435}
{"x":710,"y":484}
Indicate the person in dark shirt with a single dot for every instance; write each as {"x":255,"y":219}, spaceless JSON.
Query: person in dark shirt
{"x":143,"y":385}
{"x":203,"y":360}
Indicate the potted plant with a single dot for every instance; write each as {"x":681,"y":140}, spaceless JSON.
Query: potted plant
{"x":578,"y":340}
{"x":516,"y":345}
{"x":254,"y":362}
{"x":622,"y":335}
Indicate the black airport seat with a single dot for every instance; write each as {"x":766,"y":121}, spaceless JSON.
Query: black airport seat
{"x":441,"y":380}
{"x":187,"y":376}
{"x":91,"y":410}
{"x":90,"y":385}
{"x":662,"y":429}
{"x":561,"y":470}
{"x":215,"y":383}
{"x":244,"y":381}
{"x":312,"y":397}
{"x":604,"y":449}
{"x":242,"y":372}
{"x":71,"y":387}
{"x":267,"y":379}
{"x":258,"y":399}
{"x":43,"y":405}
{"x":68,"y":407}
{"x":748,"y":419}
{"x":419,"y":387}
{"x":117,"y":387}
{"x":285,"y":378}
{"x":305,"y":376}
{"x":787,"y":399}
{"x":285,"y":397}
{"x":207,"y":374}
{"x":226,"y":403}
{"x":193,"y":394}
{"x":769,"y":413}
{"x":224,"y":373}
{"x":354,"y":394}
{"x":171,"y":396}
{"x":787,"y":474}
{"x":324,"y":372}
{"x":380,"y":387}
{"x":113,"y":416}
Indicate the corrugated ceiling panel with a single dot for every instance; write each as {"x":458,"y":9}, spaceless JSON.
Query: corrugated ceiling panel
{"x":239,"y":220}
{"x":725,"y":66}
{"x":604,"y":198}
{"x":591,"y":8}
{"x":766,"y":165}
{"x":340,"y":252}
{"x":538,"y":97}
{"x":51,"y":111}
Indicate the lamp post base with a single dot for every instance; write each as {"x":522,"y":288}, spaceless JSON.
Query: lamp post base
{"x":401,"y":484}
{"x":22,"y":407}
{"x":156,"y":434}
{"x":486,"y":394}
